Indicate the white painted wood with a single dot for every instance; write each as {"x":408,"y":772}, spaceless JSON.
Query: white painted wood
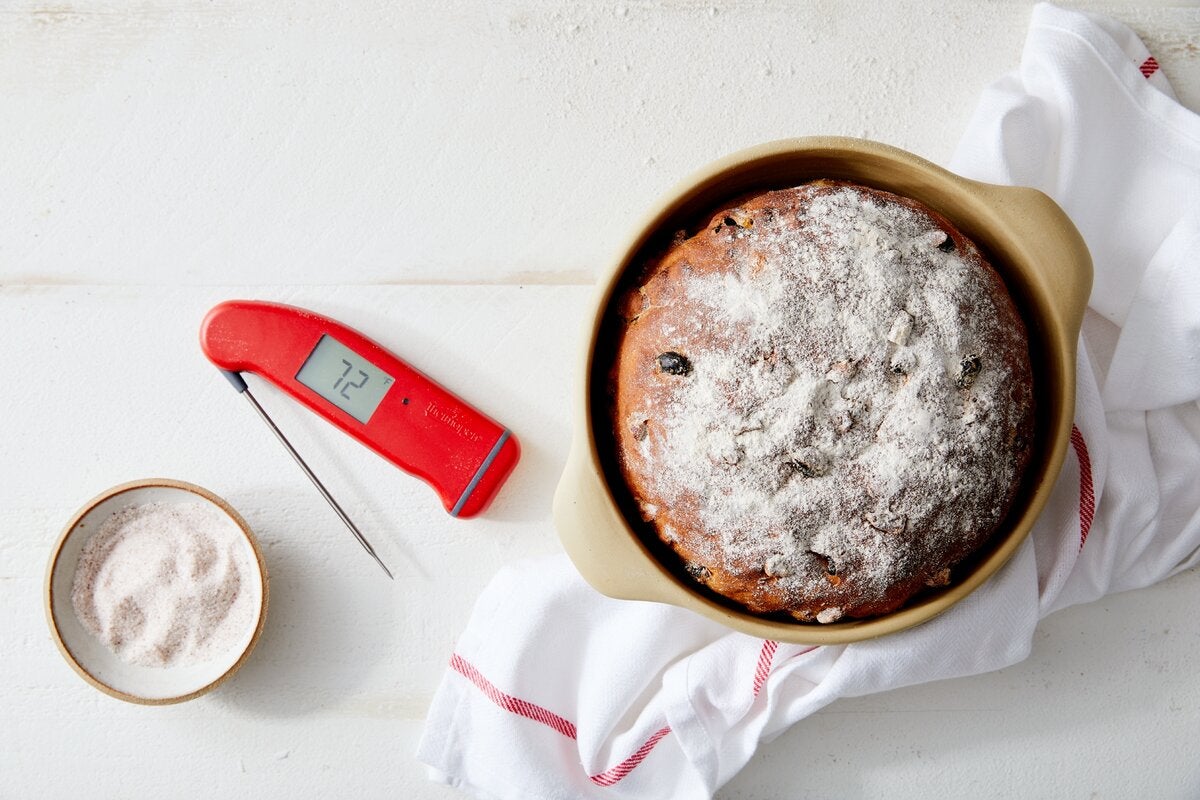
{"x":449,"y":178}
{"x":226,"y":142}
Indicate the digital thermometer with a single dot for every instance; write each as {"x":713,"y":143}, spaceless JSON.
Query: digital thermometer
{"x":370,"y":394}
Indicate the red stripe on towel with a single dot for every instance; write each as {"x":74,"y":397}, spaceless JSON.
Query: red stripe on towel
{"x":515,"y":705}
{"x":1087,"y":492}
{"x":764,"y":664}
{"x":1148,"y":67}
{"x":611,"y":776}
{"x":533,"y":711}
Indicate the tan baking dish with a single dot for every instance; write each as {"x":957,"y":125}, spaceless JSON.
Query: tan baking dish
{"x":1032,"y":243}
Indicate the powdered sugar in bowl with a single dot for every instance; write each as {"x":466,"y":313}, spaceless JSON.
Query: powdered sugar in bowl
{"x":156,"y":591}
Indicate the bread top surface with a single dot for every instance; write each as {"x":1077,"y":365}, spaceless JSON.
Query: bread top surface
{"x":822,"y":401}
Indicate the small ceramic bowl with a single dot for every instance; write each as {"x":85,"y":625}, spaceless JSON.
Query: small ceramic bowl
{"x":1030,"y":240}
{"x":90,"y":657}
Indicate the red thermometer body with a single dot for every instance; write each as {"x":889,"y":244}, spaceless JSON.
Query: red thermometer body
{"x":370,"y":394}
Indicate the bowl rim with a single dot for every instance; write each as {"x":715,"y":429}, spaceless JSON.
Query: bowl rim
{"x":51,"y":569}
{"x":586,"y":497}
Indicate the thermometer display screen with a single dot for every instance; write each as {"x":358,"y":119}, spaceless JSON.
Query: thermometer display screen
{"x":345,"y":378}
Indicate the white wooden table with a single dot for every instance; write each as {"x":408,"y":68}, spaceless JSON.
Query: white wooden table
{"x":449,"y":178}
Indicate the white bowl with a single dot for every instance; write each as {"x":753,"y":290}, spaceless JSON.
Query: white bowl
{"x":90,"y":657}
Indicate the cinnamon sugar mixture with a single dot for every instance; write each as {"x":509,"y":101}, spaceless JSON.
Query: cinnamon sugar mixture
{"x":164,"y":584}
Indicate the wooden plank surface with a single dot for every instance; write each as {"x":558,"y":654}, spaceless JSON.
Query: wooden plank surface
{"x":457,"y":142}
{"x":450,"y":178}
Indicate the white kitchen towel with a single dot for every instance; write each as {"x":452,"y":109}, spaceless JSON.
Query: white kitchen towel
{"x":554,"y":691}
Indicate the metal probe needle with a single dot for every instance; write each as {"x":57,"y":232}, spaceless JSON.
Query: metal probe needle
{"x":240,"y":384}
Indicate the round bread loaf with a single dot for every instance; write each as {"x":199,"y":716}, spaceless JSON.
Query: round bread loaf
{"x":822,"y":401}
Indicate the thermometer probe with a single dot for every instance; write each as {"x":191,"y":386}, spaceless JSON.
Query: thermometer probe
{"x":239,"y":383}
{"x":369,"y":393}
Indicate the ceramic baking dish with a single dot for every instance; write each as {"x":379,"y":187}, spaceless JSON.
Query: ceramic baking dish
{"x":1031,"y":242}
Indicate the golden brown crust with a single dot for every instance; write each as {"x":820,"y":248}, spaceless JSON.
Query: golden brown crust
{"x":822,"y":401}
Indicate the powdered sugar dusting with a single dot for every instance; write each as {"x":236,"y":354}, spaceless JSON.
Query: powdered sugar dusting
{"x":833,"y":438}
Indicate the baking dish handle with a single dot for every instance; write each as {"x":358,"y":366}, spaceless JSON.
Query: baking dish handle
{"x":1048,"y":242}
{"x":594,"y":534}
